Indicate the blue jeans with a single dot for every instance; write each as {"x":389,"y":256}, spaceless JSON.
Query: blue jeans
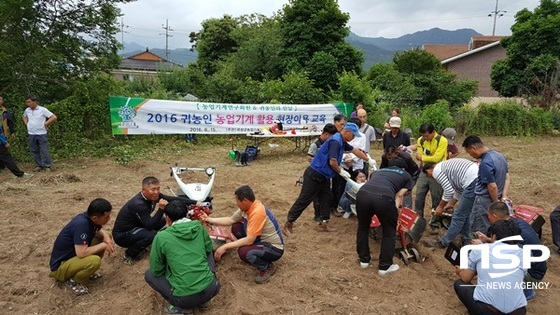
{"x":345,"y":203}
{"x":479,"y":218}
{"x":407,"y":200}
{"x":460,"y":221}
{"x":39,"y":147}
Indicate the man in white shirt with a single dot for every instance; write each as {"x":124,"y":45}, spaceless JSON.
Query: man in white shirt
{"x":366,"y":129}
{"x":37,"y":119}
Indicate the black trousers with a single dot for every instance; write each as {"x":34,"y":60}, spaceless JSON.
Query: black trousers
{"x":135,"y":240}
{"x":163,"y":287}
{"x":555,"y":225}
{"x":368,"y":204}
{"x":465,"y":293}
{"x":7,"y":161}
{"x":338,"y":187}
{"x":314,"y":184}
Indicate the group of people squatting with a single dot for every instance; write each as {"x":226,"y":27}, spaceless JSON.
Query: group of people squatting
{"x":181,"y":254}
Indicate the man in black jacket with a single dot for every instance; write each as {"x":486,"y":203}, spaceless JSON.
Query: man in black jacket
{"x":135,"y":227}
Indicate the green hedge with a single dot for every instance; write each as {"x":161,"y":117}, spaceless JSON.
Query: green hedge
{"x":506,"y":119}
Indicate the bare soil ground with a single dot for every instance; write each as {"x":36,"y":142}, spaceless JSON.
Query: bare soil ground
{"x":318,"y":274}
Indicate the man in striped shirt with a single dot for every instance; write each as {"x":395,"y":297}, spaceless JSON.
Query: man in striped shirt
{"x":458,"y":178}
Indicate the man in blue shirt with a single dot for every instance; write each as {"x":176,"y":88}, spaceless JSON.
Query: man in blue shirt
{"x":498,"y":290}
{"x":493,"y":181}
{"x":316,"y":178}
{"x":77,"y":251}
{"x":500,"y":211}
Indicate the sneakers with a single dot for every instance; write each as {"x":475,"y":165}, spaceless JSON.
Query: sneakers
{"x":324,"y":227}
{"x":434,"y":243}
{"x":434,"y":230}
{"x":47,"y":169}
{"x":364,"y":265}
{"x":264,"y":275}
{"x":128,"y":260}
{"x":391,"y":269}
{"x":26,"y":175}
{"x":38,"y":169}
{"x":170,"y":309}
{"x":96,"y":276}
{"x":288,"y":228}
{"x":347,"y":215}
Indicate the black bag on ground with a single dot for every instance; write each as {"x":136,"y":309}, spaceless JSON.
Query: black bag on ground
{"x":252,"y":152}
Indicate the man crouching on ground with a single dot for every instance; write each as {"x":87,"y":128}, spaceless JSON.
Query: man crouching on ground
{"x":259,"y":238}
{"x":182,"y":268}
{"x":77,"y":250}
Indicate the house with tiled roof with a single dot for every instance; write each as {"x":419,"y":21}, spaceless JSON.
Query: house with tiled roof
{"x":143,"y":65}
{"x":473,"y":61}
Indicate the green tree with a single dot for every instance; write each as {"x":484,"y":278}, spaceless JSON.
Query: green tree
{"x":533,"y":55}
{"x":314,"y":33}
{"x":258,"y":55}
{"x":215,"y":42}
{"x":352,"y":88}
{"x":47,"y":46}
{"x":416,"y":78}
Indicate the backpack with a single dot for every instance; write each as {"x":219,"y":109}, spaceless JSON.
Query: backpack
{"x":438,"y":137}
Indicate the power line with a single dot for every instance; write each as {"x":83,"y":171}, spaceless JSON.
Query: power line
{"x":123,"y":31}
{"x":496,"y":13}
{"x":167,"y":35}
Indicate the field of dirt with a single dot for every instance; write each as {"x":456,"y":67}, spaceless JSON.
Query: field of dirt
{"x":318,"y":274}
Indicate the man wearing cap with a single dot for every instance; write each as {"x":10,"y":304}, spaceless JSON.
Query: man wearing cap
{"x":328,"y":131}
{"x":452,"y":150}
{"x":382,"y":195}
{"x":316,"y":177}
{"x":395,"y":137}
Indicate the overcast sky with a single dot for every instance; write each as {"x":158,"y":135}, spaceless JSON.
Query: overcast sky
{"x":144,"y":19}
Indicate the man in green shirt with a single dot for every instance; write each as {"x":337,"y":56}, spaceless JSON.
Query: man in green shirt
{"x":182,"y":267}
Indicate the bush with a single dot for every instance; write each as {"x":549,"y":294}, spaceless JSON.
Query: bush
{"x":505,"y":119}
{"x":438,"y":115}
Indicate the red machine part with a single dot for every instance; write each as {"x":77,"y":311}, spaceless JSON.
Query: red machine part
{"x":194,"y":211}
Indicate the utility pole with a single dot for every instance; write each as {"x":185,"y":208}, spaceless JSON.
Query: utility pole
{"x":167,"y":35}
{"x":496,"y":14}
{"x":122,"y":31}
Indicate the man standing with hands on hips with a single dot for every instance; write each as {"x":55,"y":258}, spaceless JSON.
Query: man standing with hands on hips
{"x":37,"y":119}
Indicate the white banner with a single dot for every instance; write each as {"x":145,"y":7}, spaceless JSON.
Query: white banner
{"x":149,"y":116}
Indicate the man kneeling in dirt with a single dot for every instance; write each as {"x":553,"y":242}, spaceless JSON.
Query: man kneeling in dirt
{"x":135,"y":228}
{"x":182,"y":268}
{"x":77,"y":251}
{"x":259,"y":238}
